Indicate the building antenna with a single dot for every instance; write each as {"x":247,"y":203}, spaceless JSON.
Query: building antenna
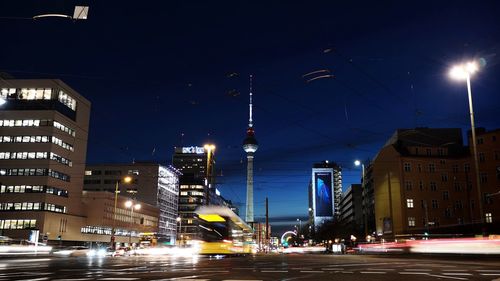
{"x":250,"y":121}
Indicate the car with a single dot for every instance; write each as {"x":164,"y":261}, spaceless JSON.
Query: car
{"x":123,"y":251}
{"x":73,"y":251}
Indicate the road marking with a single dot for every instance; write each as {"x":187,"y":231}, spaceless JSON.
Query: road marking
{"x":488,"y":270}
{"x":35,"y":279}
{"x":241,"y":280}
{"x":244,"y":268}
{"x":490,"y":274}
{"x":28,"y":260}
{"x":457,"y":274}
{"x":312,"y":271}
{"x":449,"y":277}
{"x":455,"y":270}
{"x":301,"y":268}
{"x":119,"y":278}
{"x":417,"y":269}
{"x":72,"y":279}
{"x":271,"y":271}
{"x":373,"y":272}
{"x":332,"y":269}
{"x":386,"y":269}
{"x":414,"y":273}
{"x":347,"y":271}
{"x":215,"y":271}
{"x":181,"y":278}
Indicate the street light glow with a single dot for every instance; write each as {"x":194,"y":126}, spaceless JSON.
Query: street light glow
{"x":2,"y":101}
{"x":357,"y":163}
{"x":128,"y":204}
{"x":137,"y":206}
{"x":127,"y":179}
{"x":462,"y":71}
{"x":209,"y":147}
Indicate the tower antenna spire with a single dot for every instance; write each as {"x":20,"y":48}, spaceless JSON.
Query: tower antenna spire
{"x":250,"y":120}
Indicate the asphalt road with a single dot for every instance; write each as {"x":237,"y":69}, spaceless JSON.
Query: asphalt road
{"x":260,"y":267}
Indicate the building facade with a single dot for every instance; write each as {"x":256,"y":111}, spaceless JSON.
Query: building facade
{"x":151,"y":183}
{"x":131,"y":221}
{"x":196,"y":186}
{"x":43,"y":145}
{"x":325,"y":192}
{"x":424,"y":183}
{"x":351,"y":211}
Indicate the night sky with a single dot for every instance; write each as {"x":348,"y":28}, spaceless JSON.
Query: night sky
{"x":161,"y":74}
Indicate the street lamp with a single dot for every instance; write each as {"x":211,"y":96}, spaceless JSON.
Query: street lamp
{"x":464,"y":72}
{"x":300,"y":225}
{"x":209,"y":148}
{"x":358,"y":163}
{"x":126,"y":179}
{"x":130,"y":204}
{"x":179,"y":220}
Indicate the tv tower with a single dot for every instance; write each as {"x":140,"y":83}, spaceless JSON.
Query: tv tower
{"x":250,"y":145}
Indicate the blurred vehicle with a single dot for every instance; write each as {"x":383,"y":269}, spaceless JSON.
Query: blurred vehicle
{"x":9,"y":246}
{"x":123,"y":252}
{"x":73,"y":251}
{"x":98,"y":252}
{"x":222,"y":232}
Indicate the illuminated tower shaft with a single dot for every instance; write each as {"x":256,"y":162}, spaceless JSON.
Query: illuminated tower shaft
{"x":250,"y":145}
{"x":249,"y":205}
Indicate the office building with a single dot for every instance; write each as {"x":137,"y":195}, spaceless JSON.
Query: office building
{"x":43,"y":144}
{"x":151,"y":183}
{"x":351,"y":211}
{"x":368,"y":203}
{"x":197,"y":186}
{"x":325,"y":192}
{"x":197,"y":165}
{"x":132,"y":221}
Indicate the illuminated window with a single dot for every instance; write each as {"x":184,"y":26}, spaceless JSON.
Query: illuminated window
{"x":88,"y":173}
{"x":67,"y":100}
{"x":411,"y":221}
{"x":63,"y":128}
{"x":409,"y":203}
{"x":489,"y":218}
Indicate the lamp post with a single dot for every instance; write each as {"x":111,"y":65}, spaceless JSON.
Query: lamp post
{"x":179,"y":220}
{"x":209,"y":148}
{"x":363,"y":192}
{"x":464,"y":72}
{"x":300,"y":226}
{"x":126,"y":180}
{"x":130,"y":204}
